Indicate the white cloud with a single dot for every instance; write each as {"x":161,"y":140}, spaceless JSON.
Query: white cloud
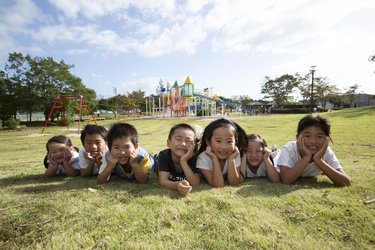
{"x":148,"y":85}
{"x":290,"y":34}
{"x":92,"y":9}
{"x":15,"y":19}
{"x":77,"y":51}
{"x":95,"y":75}
{"x":19,"y":15}
{"x":183,"y":37}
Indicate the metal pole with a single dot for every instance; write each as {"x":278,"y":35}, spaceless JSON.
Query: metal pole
{"x":312,"y":89}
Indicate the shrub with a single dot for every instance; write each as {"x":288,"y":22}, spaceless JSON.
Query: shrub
{"x":12,"y":123}
{"x":207,"y":112}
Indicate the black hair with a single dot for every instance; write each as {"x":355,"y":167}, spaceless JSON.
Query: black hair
{"x":180,"y":126}
{"x":240,"y":134}
{"x":184,"y":126}
{"x":59,"y":139}
{"x":258,"y":138}
{"x":119,"y":130}
{"x":91,"y":129}
{"x":314,"y":120}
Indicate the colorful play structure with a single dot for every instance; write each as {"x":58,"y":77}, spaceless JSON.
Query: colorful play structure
{"x":184,"y":100}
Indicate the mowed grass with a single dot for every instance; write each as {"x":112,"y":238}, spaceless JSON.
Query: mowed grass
{"x":72,"y":213}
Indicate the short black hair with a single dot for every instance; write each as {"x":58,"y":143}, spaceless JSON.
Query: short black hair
{"x":91,"y":129}
{"x":314,"y":120}
{"x":239,"y":132}
{"x":59,"y":139}
{"x":180,"y":126}
{"x":119,"y":130}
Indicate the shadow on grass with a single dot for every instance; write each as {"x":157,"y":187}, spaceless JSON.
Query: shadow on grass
{"x":261,"y":186}
{"x":36,"y":183}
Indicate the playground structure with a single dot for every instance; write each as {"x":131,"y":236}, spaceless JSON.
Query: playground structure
{"x":58,"y":104}
{"x":184,"y":100}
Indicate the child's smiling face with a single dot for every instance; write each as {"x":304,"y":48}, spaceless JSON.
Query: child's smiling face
{"x":57,"y":151}
{"x":313,"y":138}
{"x":180,"y":141}
{"x":223,"y":142}
{"x":254,"y":153}
{"x":94,"y":144}
{"x":122,"y":148}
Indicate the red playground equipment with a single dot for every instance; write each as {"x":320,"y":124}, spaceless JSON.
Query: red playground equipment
{"x":58,"y":104}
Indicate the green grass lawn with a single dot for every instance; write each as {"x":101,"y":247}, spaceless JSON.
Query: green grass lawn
{"x":71,"y":213}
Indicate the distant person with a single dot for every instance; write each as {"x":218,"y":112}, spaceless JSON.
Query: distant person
{"x":219,"y":154}
{"x":61,"y":158}
{"x":177,"y":164}
{"x":94,"y":142}
{"x":257,"y":160}
{"x":125,"y":158}
{"x":310,"y":154}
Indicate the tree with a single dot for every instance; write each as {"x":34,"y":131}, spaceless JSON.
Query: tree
{"x":280,"y":88}
{"x":138,"y":98}
{"x":323,"y":90}
{"x":17,"y":74}
{"x":304,"y":88}
{"x":7,"y":98}
{"x":245,"y":100}
{"x":39,"y":81}
{"x":351,"y":93}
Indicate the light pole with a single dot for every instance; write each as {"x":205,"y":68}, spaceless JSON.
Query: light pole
{"x":312,"y":89}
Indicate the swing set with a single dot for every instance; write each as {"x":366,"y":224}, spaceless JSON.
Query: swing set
{"x":58,"y":104}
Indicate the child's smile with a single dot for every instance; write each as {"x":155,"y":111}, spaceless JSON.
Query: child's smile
{"x":223,"y":142}
{"x":121,"y":149}
{"x":313,"y":138}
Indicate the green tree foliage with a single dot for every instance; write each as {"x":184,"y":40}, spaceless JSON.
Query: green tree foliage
{"x":7,"y":98}
{"x":38,"y":81}
{"x":138,"y":98}
{"x":351,"y":93}
{"x":245,"y":100}
{"x":304,"y":88}
{"x":124,"y":103}
{"x":280,"y":89}
{"x":323,"y":90}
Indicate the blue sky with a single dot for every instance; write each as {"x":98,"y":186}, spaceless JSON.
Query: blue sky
{"x":229,"y":46}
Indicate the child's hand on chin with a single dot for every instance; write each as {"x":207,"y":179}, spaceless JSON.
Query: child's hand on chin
{"x":235,"y":153}
{"x":112,"y":160}
{"x":209,"y":152}
{"x":304,"y":152}
{"x":319,"y":155}
{"x":52,"y":160}
{"x":67,"y":154}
